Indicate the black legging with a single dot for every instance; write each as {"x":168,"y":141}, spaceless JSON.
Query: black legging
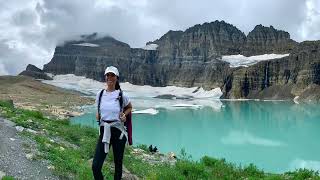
{"x":118,"y":150}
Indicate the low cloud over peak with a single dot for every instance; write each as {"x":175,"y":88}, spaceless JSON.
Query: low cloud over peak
{"x":30,"y":30}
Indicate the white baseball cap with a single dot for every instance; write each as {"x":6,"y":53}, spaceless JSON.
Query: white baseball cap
{"x":112,"y":69}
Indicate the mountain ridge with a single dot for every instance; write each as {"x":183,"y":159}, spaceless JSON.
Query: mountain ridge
{"x":193,"y":58}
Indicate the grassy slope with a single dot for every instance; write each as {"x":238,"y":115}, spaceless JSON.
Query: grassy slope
{"x":70,"y":149}
{"x":29,"y":93}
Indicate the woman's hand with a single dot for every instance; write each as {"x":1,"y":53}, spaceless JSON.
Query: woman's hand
{"x":122,"y":117}
{"x":97,"y":116}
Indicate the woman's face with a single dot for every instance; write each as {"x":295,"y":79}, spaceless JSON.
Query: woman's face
{"x":111,"y":79}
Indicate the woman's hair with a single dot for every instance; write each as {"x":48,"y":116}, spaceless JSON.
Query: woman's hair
{"x":118,"y":85}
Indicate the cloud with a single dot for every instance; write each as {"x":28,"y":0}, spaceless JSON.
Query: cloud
{"x":30,"y":30}
{"x":309,"y":28}
{"x":21,"y":37}
{"x":245,"y":14}
{"x":67,"y":19}
{"x":3,"y":70}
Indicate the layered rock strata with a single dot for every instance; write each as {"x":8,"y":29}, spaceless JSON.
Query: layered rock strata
{"x":193,"y":58}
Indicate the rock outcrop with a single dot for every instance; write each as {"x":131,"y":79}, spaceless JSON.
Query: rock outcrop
{"x":85,"y":57}
{"x":211,"y":40}
{"x":201,"y":42}
{"x":35,"y":72}
{"x":267,"y":40}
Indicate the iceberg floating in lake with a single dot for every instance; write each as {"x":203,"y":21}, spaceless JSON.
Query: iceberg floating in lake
{"x":146,"y":111}
{"x":187,"y":105}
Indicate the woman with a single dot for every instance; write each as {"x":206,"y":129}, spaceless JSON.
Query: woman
{"x":111,"y":118}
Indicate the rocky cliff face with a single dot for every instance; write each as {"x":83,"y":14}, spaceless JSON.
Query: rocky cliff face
{"x":158,"y":68}
{"x":267,"y":40}
{"x":211,"y":40}
{"x":201,"y":42}
{"x":85,"y":57}
{"x":282,"y":78}
{"x":191,"y":58}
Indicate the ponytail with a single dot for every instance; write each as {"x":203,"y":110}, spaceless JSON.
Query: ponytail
{"x":120,"y":94}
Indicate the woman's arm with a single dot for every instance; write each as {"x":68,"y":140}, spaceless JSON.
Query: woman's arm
{"x":128,"y":109}
{"x":97,"y":116}
{"x":125,"y":113}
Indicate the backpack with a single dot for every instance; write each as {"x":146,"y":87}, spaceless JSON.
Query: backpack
{"x":127,"y":123}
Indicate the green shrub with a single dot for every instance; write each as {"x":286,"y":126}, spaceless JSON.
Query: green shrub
{"x":7,"y":104}
{"x":7,"y":178}
{"x":166,"y":173}
{"x":184,"y":155}
{"x":253,"y":171}
{"x":192,"y":170}
{"x":34,"y":114}
{"x":303,"y":174}
{"x":209,"y":161}
{"x":143,"y":147}
{"x":220,"y":169}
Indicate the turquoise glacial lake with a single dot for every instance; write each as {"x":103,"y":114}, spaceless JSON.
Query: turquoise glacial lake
{"x":276,"y":136}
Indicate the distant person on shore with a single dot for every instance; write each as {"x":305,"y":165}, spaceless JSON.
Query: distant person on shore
{"x":113,"y":107}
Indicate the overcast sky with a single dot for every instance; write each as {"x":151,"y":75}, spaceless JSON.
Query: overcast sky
{"x":30,"y":29}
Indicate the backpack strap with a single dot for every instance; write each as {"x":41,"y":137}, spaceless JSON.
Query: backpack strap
{"x":99,"y":103}
{"x":121,"y":100}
